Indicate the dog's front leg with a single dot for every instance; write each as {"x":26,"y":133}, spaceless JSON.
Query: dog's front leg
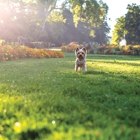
{"x":84,"y":68}
{"x":76,"y":68}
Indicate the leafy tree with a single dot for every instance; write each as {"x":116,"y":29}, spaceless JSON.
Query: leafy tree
{"x":101,"y":33}
{"x":39,"y":20}
{"x":91,"y":14}
{"x":45,"y":8}
{"x":128,"y":25}
{"x":132,"y":24}
{"x":55,"y":28}
{"x":119,"y":30}
{"x":15,"y":18}
{"x":79,"y":34}
{"x":90,"y":11}
{"x":28,"y":19}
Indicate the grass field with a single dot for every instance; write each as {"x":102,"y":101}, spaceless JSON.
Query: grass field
{"x":45,"y":99}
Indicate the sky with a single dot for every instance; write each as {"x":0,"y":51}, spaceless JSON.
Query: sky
{"x":117,"y":8}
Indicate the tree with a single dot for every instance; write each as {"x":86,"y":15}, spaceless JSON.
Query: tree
{"x":39,"y":19}
{"x":28,"y":19}
{"x":132,"y":24}
{"x":15,"y":18}
{"x":45,"y":8}
{"x":119,"y":30}
{"x":128,"y":25}
{"x":90,"y":12}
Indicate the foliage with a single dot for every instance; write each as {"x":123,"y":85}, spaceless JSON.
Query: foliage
{"x":101,"y":33}
{"x":132,"y":24}
{"x":136,"y":49}
{"x":20,"y":52}
{"x":105,"y":49}
{"x":45,"y":99}
{"x":39,"y":20}
{"x":128,"y":25}
{"x":92,"y":12}
{"x":119,"y":30}
{"x":83,"y":32}
{"x":70,"y":48}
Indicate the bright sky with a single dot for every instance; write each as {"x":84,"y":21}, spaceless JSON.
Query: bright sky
{"x":117,"y":8}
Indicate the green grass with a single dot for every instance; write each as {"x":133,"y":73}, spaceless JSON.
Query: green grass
{"x":45,"y":99}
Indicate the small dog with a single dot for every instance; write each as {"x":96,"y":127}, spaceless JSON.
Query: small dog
{"x":80,"y":59}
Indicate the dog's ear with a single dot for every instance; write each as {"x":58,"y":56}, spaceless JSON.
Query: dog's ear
{"x":84,"y":49}
{"x":76,"y":49}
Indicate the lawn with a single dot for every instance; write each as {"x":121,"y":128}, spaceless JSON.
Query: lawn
{"x":45,"y":99}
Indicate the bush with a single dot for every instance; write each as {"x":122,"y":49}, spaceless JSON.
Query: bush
{"x":105,"y":49}
{"x":70,"y":48}
{"x":18,"y":52}
{"x":136,"y":49}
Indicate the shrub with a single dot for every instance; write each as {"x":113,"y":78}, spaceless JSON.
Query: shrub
{"x":70,"y":48}
{"x":105,"y":49}
{"x":136,"y":49}
{"x":18,"y":52}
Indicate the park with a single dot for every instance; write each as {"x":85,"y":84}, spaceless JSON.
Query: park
{"x":41,"y":95}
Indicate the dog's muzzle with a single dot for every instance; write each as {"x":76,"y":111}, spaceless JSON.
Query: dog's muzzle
{"x":80,"y":56}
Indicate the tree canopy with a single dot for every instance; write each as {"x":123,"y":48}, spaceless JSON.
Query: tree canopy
{"x":45,"y":20}
{"x":119,"y":30}
{"x":128,"y":25}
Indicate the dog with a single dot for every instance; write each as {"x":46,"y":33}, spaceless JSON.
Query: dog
{"x":80,"y":61}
